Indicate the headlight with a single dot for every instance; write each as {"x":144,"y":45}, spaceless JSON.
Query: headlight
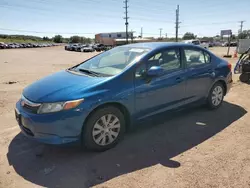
{"x":58,"y":106}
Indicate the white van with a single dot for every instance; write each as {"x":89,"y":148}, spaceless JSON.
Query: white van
{"x":198,"y":43}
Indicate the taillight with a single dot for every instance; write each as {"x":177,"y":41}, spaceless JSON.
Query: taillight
{"x":229,"y":66}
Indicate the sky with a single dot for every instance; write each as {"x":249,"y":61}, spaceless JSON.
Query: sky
{"x":89,"y":17}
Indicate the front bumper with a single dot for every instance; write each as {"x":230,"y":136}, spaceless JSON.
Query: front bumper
{"x":52,"y":128}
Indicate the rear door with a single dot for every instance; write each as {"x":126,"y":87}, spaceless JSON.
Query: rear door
{"x":200,"y":73}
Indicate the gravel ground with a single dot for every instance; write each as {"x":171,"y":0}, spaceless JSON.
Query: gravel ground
{"x":192,"y":148}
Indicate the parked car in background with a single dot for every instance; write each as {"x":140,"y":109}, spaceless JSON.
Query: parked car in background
{"x":75,"y":47}
{"x":99,"y":47}
{"x":66,"y":47}
{"x":197,"y":43}
{"x":71,"y":47}
{"x":211,"y":44}
{"x":226,"y":44}
{"x":94,"y":102}
{"x":11,"y":45}
{"x":3,"y":45}
{"x":80,"y":47}
{"x":88,"y":48}
{"x":26,"y":45}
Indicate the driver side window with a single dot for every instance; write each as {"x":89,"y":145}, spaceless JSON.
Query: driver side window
{"x":168,"y":59}
{"x":140,"y":70}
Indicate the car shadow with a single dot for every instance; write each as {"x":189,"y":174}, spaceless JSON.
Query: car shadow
{"x":155,"y":141}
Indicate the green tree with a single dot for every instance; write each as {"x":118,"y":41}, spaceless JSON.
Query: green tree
{"x":210,"y":39}
{"x":45,"y":38}
{"x":58,"y":39}
{"x":233,"y":37}
{"x":78,"y":39}
{"x":244,"y":34}
{"x":188,"y":36}
{"x":75,"y":39}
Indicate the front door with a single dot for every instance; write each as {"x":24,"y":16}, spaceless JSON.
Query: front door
{"x":164,"y":92}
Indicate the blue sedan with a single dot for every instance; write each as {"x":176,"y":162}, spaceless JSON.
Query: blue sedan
{"x":96,"y":101}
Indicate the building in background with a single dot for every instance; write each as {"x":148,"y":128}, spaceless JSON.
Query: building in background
{"x":119,"y":42}
{"x":109,"y":38}
{"x":119,"y":38}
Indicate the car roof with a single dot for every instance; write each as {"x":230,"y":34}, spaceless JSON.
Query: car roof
{"x":159,"y":45}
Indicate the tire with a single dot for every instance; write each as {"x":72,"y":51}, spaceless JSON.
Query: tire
{"x":244,"y":77}
{"x":92,"y":132}
{"x":216,"y":96}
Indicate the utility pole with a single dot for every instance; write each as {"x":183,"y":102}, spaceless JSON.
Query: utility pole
{"x":126,"y":18}
{"x":132,"y":36}
{"x":141,"y":32}
{"x":177,"y":24}
{"x":240,"y":31}
{"x":160,"y":31}
{"x":241,"y":26}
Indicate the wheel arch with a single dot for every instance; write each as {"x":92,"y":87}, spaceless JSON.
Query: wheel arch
{"x":223,"y":82}
{"x":120,"y":106}
{"x":224,"y":85}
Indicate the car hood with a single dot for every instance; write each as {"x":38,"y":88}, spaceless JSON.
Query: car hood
{"x":60,"y":86}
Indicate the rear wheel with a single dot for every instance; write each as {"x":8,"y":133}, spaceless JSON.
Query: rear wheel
{"x":244,"y":77}
{"x":104,"y":129}
{"x":216,"y":96}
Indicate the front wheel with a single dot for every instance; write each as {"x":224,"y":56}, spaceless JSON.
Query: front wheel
{"x":104,"y":129}
{"x":216,"y":96}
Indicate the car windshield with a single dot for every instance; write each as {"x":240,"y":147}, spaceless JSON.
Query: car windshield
{"x":111,"y":62}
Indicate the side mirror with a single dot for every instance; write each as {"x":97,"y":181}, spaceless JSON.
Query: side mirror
{"x":155,"y":71}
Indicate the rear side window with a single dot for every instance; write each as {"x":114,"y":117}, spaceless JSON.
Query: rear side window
{"x":195,"y":57}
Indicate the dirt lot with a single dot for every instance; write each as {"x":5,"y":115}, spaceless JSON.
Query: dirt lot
{"x":195,"y":148}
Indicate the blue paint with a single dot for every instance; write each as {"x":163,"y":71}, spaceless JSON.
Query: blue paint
{"x":155,"y":91}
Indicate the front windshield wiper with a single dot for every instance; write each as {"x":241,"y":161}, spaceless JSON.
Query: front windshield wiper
{"x":89,"y":72}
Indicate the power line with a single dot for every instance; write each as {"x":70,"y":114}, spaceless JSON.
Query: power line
{"x":137,"y":18}
{"x":44,"y":32}
{"x":214,"y":23}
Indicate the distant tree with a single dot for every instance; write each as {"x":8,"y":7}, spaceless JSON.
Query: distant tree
{"x":75,"y":39}
{"x":78,"y":39}
{"x":210,"y":39}
{"x":244,"y":34}
{"x":233,"y":37}
{"x":66,"y":40}
{"x":188,"y":36}
{"x":58,"y":39}
{"x":45,"y":38}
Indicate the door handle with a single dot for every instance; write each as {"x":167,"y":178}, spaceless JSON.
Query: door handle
{"x":209,"y":70}
{"x":179,"y":79}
